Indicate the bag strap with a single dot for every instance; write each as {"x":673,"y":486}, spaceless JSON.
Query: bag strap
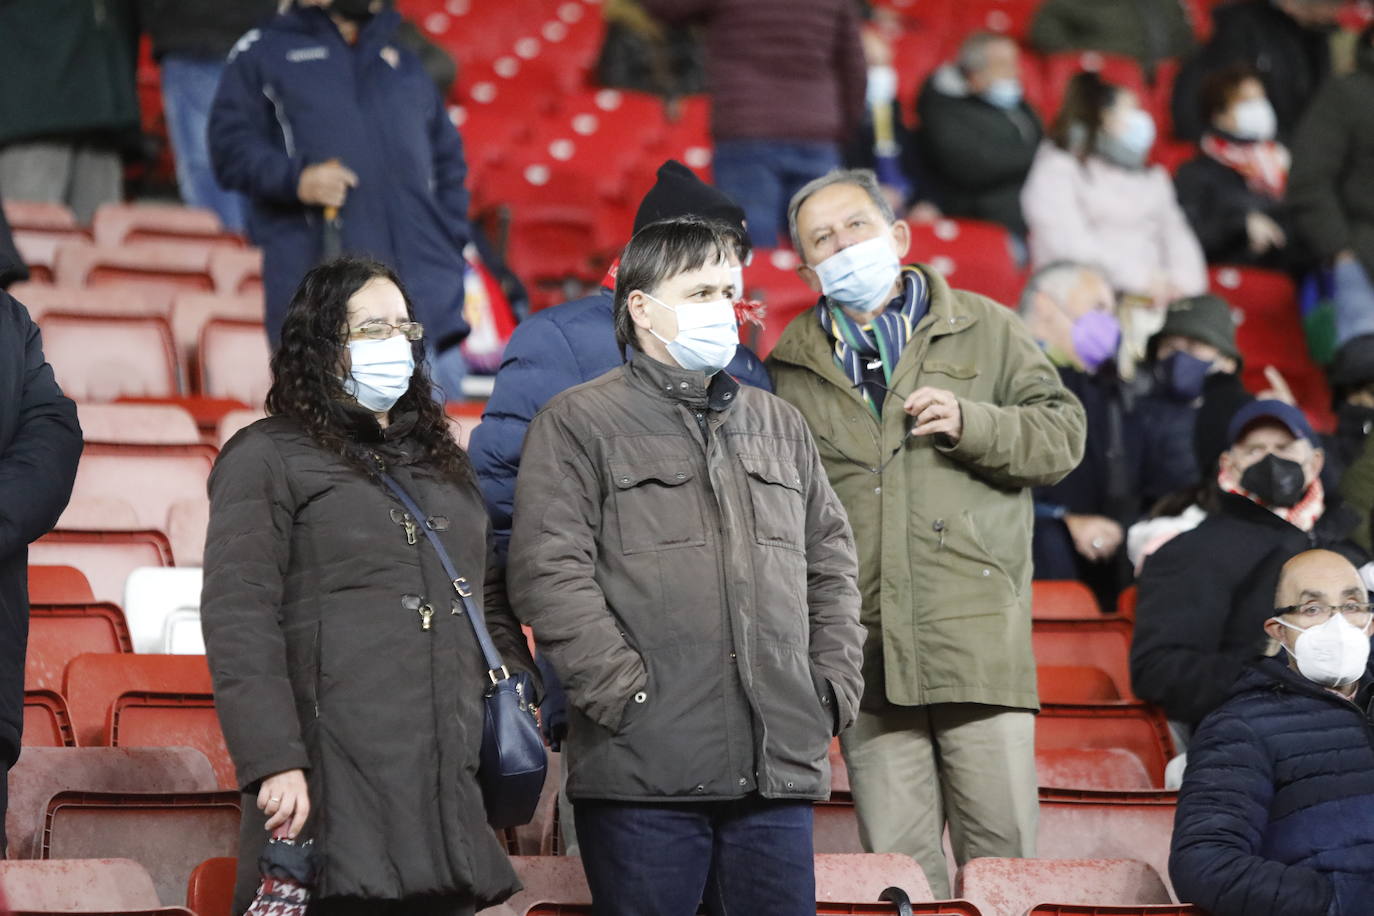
{"x":496,"y":670}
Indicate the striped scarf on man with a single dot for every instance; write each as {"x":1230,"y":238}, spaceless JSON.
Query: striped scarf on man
{"x":881,"y":341}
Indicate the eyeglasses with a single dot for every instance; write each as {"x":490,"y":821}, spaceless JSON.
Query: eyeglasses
{"x":381,"y":330}
{"x":1314,"y":613}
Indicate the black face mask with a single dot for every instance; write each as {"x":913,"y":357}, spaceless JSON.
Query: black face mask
{"x":1275,"y":481}
{"x":354,"y":10}
{"x":1356,"y":419}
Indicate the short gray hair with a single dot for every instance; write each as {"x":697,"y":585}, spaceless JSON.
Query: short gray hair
{"x":861,"y":178}
{"x":973,"y":52}
{"x":1055,"y":280}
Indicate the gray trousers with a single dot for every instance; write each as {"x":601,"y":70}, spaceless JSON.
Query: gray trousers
{"x":915,"y":769}
{"x":82,"y":177}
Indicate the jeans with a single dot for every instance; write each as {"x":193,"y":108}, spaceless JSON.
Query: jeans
{"x":762,"y":175}
{"x":1353,"y":301}
{"x":188,"y":89}
{"x":751,"y":855}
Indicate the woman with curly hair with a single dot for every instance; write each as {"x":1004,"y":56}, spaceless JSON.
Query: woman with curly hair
{"x":349,"y":685}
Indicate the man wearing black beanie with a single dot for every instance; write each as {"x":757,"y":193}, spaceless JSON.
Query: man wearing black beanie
{"x":557,"y":348}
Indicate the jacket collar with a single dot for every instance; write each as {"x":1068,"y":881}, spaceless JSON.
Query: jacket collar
{"x":315,"y":21}
{"x":361,"y":425}
{"x":690,"y":388}
{"x":1276,"y":674}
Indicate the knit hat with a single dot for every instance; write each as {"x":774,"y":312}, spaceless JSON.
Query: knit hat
{"x":1353,"y":366}
{"x":1206,"y":318}
{"x":678,"y":192}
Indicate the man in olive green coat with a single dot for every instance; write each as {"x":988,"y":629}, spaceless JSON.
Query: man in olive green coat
{"x":935,"y":413}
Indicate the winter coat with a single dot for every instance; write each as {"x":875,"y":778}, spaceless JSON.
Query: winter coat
{"x":1276,"y":813}
{"x":12,"y":266}
{"x":1357,"y":488}
{"x":1217,"y":200}
{"x":295,"y":94}
{"x":550,"y":352}
{"x":943,"y":531}
{"x":1331,"y":186}
{"x":1292,"y":62}
{"x":689,"y":572}
{"x":1126,"y":221}
{"x":1204,"y":597}
{"x":778,"y":69}
{"x":205,"y":29}
{"x":319,"y":665}
{"x":975,"y":154}
{"x":69,"y":71}
{"x":1148,"y":30}
{"x":40,"y":443}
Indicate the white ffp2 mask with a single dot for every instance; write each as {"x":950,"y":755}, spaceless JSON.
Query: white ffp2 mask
{"x":379,"y":372}
{"x":1333,"y":654}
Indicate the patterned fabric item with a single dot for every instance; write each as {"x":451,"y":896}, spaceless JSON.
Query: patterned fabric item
{"x":288,"y":873}
{"x":1263,"y":163}
{"x":885,"y":337}
{"x":280,"y":897}
{"x":1302,"y":516}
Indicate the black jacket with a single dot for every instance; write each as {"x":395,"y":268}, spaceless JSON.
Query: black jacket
{"x":975,"y":155}
{"x":12,"y":267}
{"x":40,"y":444}
{"x":1204,"y":597}
{"x":1292,"y":62}
{"x":200,"y":28}
{"x":1276,"y":814}
{"x":1217,"y":200}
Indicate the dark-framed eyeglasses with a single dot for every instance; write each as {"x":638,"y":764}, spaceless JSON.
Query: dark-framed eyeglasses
{"x":1314,"y":613}
{"x":378,"y":329}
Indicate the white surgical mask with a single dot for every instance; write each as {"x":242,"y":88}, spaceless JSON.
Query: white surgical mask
{"x":1255,"y":120}
{"x":1137,"y":132}
{"x":737,"y":278}
{"x":707,"y":334}
{"x":860,"y":277}
{"x":1004,"y":93}
{"x":380,"y":371}
{"x":1333,"y":654}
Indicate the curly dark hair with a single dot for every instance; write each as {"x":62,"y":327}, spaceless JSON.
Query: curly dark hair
{"x":305,"y":381}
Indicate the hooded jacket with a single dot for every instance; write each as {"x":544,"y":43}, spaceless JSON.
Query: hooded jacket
{"x":295,"y":94}
{"x":1276,"y":813}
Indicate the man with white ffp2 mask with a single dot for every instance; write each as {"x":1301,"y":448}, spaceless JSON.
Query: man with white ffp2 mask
{"x":1276,"y":813}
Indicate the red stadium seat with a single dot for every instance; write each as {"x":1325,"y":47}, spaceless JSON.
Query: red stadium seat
{"x":1006,"y":17}
{"x":1140,"y":729}
{"x":39,"y":214}
{"x":1144,"y":909}
{"x":1103,"y":643}
{"x":47,"y":723}
{"x":87,"y":886}
{"x":38,"y":249}
{"x":771,"y":278}
{"x":149,"y":719}
{"x":156,"y":268}
{"x":58,"y":585}
{"x":836,"y":825}
{"x":1063,"y":599}
{"x":94,"y":683}
{"x":59,"y":633}
{"x":104,"y":357}
{"x":1126,"y":601}
{"x":39,"y":299}
{"x":192,"y":311}
{"x":1075,"y":684}
{"x":210,"y":891}
{"x":971,"y":255}
{"x":236,"y":271}
{"x":1106,"y":769}
{"x":138,"y":424}
{"x":1008,"y":887}
{"x":1115,"y":69}
{"x":235,"y":361}
{"x":42,"y":772}
{"x":167,"y":833}
{"x":121,"y":224}
{"x":1107,"y":825}
{"x":105,"y":557}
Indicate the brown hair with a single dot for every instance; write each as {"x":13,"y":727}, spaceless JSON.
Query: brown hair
{"x":1219,"y":89}
{"x":1086,"y":100}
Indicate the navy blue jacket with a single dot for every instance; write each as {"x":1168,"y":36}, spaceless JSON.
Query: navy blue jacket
{"x":294,"y":94}
{"x":40,"y":444}
{"x":1276,"y":814}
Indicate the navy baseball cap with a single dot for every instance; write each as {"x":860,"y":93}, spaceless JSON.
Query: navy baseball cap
{"x":1286,"y":415}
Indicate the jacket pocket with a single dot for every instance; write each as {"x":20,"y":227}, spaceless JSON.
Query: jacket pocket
{"x":656,"y":506}
{"x":775,"y":490}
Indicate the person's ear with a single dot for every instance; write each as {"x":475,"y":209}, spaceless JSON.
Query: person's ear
{"x":1226,"y":463}
{"x":901,"y":238}
{"x":1318,"y":462}
{"x":810,"y":278}
{"x":1275,"y":631}
{"x":638,"y":304}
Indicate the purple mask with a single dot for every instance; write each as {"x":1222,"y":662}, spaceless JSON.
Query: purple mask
{"x":1095,"y":338}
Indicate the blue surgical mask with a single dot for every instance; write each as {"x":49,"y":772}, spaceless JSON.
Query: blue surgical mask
{"x":380,"y":371}
{"x":1182,"y":375}
{"x":707,"y":334}
{"x":1004,"y":93}
{"x":860,"y":278}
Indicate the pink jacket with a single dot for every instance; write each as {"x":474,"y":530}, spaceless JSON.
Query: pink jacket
{"x":1127,"y":222}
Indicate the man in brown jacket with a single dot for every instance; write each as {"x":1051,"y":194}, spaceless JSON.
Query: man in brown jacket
{"x":935,"y":413}
{"x":690,"y":573}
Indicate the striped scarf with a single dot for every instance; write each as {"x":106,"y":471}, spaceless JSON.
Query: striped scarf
{"x":884,"y":337}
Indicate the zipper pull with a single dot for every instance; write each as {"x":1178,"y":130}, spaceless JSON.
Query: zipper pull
{"x":426,"y":617}
{"x":409,"y":524}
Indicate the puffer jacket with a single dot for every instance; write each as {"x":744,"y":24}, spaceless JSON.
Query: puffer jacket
{"x":321,"y":662}
{"x":1276,"y":813}
{"x":688,"y":570}
{"x":943,"y":531}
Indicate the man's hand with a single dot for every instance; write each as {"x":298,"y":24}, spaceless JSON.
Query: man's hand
{"x":1263,"y":232}
{"x":326,"y":184}
{"x":1278,"y":389}
{"x":285,"y":799}
{"x":1096,"y":537}
{"x":936,"y":411}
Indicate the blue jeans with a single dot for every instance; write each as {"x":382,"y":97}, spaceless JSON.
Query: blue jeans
{"x":762,"y":175}
{"x":751,"y":855}
{"x":188,"y":89}
{"x":1353,"y":298}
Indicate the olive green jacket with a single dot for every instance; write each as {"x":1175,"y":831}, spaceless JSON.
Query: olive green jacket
{"x":944,"y":531}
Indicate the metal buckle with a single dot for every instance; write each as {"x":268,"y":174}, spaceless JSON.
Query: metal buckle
{"x":505,"y":673}
{"x":460,"y":585}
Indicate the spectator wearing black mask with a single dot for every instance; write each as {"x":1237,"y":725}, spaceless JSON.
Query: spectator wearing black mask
{"x":1352,"y":398}
{"x":1233,"y":192}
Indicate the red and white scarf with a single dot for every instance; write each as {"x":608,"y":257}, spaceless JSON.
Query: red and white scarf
{"x":1263,"y":163}
{"x":1302,"y":516}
